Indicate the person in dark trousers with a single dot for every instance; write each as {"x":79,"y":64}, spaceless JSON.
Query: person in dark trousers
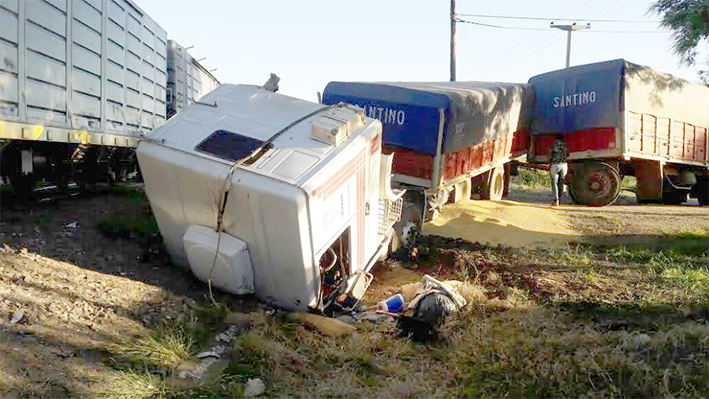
{"x":558,"y":168}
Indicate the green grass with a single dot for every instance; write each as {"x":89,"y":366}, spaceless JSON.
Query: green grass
{"x":135,"y":220}
{"x":629,"y":183}
{"x":532,"y":178}
{"x":685,"y":276}
{"x":572,"y":254}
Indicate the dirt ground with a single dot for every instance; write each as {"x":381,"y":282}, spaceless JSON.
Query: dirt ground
{"x":67,"y":288}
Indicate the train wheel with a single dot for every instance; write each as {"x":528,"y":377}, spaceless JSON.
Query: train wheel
{"x":496,"y":184}
{"x":595,"y":184}
{"x":22,"y":185}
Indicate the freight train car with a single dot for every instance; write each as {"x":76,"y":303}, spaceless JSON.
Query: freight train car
{"x":81,"y":81}
{"x":187,"y":80}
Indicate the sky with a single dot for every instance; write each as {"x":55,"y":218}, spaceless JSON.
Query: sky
{"x":309,"y":43}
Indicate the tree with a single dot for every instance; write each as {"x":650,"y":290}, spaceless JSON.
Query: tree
{"x":689,"y":19}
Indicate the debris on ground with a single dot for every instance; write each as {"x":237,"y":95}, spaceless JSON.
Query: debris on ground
{"x":17,"y":316}
{"x":327,"y":326}
{"x":254,"y":387}
{"x":420,"y":308}
{"x":209,"y":357}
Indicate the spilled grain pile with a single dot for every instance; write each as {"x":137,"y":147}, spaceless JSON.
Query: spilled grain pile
{"x":507,"y":223}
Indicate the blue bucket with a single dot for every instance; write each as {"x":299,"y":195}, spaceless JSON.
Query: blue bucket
{"x":394,"y":304}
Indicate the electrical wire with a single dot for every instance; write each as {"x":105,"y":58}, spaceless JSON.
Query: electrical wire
{"x":525,"y":40}
{"x":497,"y":26}
{"x":550,"y":19}
{"x":613,"y":10}
{"x":551,"y":29}
{"x":517,"y":58}
{"x":546,"y":43}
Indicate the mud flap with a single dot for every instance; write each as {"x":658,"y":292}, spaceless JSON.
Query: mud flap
{"x":649,"y":175}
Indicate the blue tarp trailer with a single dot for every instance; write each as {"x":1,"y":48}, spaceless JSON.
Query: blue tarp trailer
{"x":443,"y":133}
{"x":619,"y":118}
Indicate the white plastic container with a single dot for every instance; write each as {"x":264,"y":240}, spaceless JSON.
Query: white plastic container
{"x":230,"y":271}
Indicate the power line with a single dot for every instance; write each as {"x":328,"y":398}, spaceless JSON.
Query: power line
{"x":615,"y":9}
{"x":549,"y":29}
{"x":526,"y":39}
{"x":550,"y":19}
{"x":612,"y":4}
{"x":497,"y":26}
{"x":521,"y":56}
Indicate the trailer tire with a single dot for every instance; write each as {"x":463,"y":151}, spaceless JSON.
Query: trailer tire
{"x":703,"y":190}
{"x":495,"y":187}
{"x":595,"y":183}
{"x":673,"y":197}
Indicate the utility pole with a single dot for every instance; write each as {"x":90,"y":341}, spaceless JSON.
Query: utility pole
{"x":453,"y":17}
{"x":569,"y":29}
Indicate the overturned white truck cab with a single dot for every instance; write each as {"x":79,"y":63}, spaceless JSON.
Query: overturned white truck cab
{"x":272,"y":195}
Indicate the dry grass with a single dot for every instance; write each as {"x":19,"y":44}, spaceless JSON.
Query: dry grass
{"x":165,"y":348}
{"x":572,"y":323}
{"x":136,"y":385}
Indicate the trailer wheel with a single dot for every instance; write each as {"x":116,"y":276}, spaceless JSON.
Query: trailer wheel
{"x":703,"y":190}
{"x":674,"y":197}
{"x":495,"y":187}
{"x":595,"y":184}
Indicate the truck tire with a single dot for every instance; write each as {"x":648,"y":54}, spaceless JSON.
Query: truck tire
{"x":703,"y":190}
{"x":673,"y":197}
{"x":595,"y":183}
{"x":495,"y":187}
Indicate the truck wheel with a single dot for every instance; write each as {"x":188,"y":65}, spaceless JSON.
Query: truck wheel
{"x":673,"y":197}
{"x":595,"y":184}
{"x":703,"y":190}
{"x":496,"y":184}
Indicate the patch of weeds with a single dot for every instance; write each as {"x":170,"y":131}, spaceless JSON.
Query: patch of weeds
{"x":249,"y":359}
{"x":629,"y":183}
{"x":684,"y":276}
{"x":634,"y":316}
{"x":590,"y":274}
{"x":573,"y":254}
{"x":131,"y":384}
{"x":593,"y":310}
{"x":672,"y":255}
{"x":532,"y":178}
{"x":136,"y":221}
{"x":687,"y":232}
{"x":221,"y":387}
{"x":166,"y":347}
{"x":140,"y":225}
{"x":687,"y":242}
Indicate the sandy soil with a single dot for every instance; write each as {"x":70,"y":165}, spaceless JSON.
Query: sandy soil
{"x":67,"y":289}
